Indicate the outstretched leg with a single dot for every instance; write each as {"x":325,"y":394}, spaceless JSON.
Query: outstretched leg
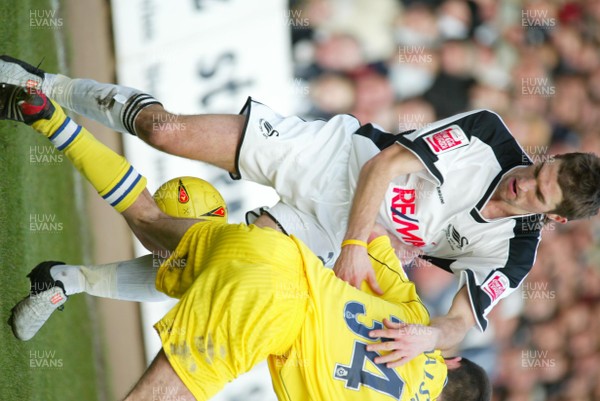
{"x":212,"y":139}
{"x":128,"y":280}
{"x":209,"y":138}
{"x":111,"y":174}
{"x":53,"y":282}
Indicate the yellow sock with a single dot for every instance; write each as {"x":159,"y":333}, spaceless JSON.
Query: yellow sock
{"x":111,"y":174}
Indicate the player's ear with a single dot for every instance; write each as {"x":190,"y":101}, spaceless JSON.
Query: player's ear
{"x":557,"y":218}
{"x":453,"y":363}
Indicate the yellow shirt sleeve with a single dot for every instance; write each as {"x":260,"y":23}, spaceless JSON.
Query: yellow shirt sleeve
{"x":394,"y":282}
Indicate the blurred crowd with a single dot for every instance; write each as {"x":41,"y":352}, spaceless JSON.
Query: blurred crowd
{"x":404,"y":64}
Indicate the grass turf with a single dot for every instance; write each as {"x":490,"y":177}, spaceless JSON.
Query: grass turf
{"x":39,"y":221}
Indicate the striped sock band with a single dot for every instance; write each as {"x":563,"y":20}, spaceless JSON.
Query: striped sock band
{"x":123,"y":188}
{"x":133,"y":107}
{"x":65,"y":134}
{"x":108,"y":172}
{"x":13,"y":111}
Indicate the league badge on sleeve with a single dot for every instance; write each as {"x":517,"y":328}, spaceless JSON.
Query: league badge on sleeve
{"x":446,"y":140}
{"x":496,"y":285}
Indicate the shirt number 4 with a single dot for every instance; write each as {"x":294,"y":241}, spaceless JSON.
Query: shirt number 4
{"x":355,"y":375}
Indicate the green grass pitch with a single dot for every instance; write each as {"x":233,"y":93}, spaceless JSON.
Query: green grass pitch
{"x":39,"y":220}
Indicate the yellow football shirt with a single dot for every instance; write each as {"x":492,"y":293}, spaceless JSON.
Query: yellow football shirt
{"x":247,"y":293}
{"x":329,"y":360}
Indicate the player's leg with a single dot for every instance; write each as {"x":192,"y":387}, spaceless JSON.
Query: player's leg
{"x":113,"y":105}
{"x":128,"y":280}
{"x":110,"y":174}
{"x":210,"y":138}
{"x":155,"y":230}
{"x":160,"y":380}
{"x":53,"y":282}
{"x":132,"y":280}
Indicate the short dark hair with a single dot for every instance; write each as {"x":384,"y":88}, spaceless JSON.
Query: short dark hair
{"x":468,"y":382}
{"x":579,"y":181}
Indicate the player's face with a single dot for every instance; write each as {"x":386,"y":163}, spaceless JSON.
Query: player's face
{"x":531,"y":189}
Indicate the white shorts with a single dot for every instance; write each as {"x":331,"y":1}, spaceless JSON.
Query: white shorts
{"x":307,"y":163}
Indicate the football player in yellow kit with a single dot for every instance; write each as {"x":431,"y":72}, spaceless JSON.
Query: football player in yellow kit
{"x":246,"y":294}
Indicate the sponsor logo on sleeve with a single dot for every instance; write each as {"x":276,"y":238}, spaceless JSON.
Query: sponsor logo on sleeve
{"x":446,"y":140}
{"x":496,"y":285}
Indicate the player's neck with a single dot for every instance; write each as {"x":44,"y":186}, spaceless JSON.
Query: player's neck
{"x":494,"y":209}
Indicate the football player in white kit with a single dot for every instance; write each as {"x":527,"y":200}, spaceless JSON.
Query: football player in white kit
{"x":461,"y":190}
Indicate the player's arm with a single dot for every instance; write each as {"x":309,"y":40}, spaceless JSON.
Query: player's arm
{"x":410,"y":340}
{"x":353,"y":264}
{"x":458,"y":321}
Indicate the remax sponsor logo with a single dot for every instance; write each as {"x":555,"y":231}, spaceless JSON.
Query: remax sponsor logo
{"x":403,"y":210}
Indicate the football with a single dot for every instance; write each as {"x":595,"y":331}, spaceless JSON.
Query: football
{"x":191,"y":197}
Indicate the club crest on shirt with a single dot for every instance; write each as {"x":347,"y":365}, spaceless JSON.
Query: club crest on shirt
{"x":454,"y":238}
{"x":446,"y":140}
{"x":266,"y":128}
{"x":496,"y":285}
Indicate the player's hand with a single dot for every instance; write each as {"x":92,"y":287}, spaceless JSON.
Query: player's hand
{"x":403,"y":342}
{"x":354,"y":267}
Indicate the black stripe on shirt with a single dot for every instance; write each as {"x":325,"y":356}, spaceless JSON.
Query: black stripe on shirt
{"x":380,"y":138}
{"x":442,"y":263}
{"x":521,"y":256}
{"x":484,"y":125}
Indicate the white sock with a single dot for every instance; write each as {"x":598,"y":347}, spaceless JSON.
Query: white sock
{"x":130,"y":280}
{"x":136,"y":280}
{"x":69,"y":275}
{"x":114,"y":106}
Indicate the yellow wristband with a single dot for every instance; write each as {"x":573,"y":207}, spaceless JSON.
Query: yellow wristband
{"x":354,"y":242}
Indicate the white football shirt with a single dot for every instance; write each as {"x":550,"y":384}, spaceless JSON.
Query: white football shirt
{"x":438,"y":209}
